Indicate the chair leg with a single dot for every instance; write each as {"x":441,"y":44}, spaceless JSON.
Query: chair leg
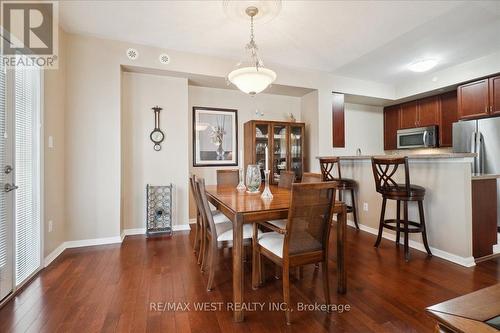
{"x":196,"y":247}
{"x":381,"y":224}
{"x":354,"y":210}
{"x":212,"y":264}
{"x":326,"y":282}
{"x":398,"y":221}
{"x":424,"y":231}
{"x":203,"y":251}
{"x":407,"y":248}
{"x":286,"y":293}
{"x":255,"y":259}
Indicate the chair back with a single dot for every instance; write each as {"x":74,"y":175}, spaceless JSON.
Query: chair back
{"x":310,"y":177}
{"x":287,"y":178}
{"x":328,"y":166}
{"x":206,"y":213}
{"x":228,"y":177}
{"x":192,"y":185}
{"x":309,"y":218}
{"x":384,"y":170}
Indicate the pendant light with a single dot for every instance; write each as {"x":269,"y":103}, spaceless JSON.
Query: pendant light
{"x":251,"y":76}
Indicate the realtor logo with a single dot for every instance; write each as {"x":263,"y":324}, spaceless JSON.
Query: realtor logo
{"x":30,"y":28}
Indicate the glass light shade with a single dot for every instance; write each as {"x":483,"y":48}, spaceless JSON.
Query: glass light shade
{"x":251,"y":80}
{"x":422,"y":65}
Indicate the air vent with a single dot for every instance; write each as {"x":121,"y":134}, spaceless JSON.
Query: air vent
{"x":132,"y":54}
{"x":164,"y":58}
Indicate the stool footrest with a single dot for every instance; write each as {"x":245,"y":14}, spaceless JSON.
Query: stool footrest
{"x":417,"y":227}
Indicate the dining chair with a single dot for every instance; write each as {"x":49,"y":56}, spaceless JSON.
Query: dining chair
{"x":217,"y":217}
{"x":197,"y":234}
{"x":305,"y":240}
{"x":215,"y":234}
{"x":287,"y":178}
{"x":228,"y":177}
{"x":310,"y":177}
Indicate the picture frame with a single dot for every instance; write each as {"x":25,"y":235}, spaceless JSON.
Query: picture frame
{"x":215,"y":137}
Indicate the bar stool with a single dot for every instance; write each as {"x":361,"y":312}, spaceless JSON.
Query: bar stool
{"x":384,"y":170}
{"x":327,"y":165}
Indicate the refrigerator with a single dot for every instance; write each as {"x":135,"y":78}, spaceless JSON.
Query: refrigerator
{"x":483,"y":138}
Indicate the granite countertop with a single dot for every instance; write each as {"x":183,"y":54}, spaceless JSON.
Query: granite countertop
{"x":410,"y":156}
{"x":483,"y":176}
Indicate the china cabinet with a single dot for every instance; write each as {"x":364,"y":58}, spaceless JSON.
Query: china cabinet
{"x":285,"y":143}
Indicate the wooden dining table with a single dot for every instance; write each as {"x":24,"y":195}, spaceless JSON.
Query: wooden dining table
{"x":242,"y":208}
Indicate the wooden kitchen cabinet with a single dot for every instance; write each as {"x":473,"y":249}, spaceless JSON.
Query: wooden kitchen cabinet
{"x":473,"y":99}
{"x":494,"y":85}
{"x":391,"y":126}
{"x":408,"y":115}
{"x":428,"y":111}
{"x":448,"y":114}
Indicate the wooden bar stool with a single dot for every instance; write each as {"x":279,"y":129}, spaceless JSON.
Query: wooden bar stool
{"x":384,"y":170}
{"x":327,"y":166}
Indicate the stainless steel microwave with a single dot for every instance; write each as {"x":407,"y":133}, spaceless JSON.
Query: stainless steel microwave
{"x":421,"y":137}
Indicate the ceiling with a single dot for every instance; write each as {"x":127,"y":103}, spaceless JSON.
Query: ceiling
{"x":370,"y":40}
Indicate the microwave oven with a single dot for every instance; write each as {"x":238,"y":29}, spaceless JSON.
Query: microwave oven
{"x":421,"y":137}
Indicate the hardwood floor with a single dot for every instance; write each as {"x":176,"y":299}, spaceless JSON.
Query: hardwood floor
{"x":109,"y":289}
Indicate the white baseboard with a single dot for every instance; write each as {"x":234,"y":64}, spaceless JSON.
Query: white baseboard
{"x":463,"y":261}
{"x":103,"y":241}
{"x":54,"y":254}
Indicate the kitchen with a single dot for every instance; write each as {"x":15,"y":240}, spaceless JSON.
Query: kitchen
{"x":452,"y":140}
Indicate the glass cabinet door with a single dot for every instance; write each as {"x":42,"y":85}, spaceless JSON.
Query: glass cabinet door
{"x":280,"y":152}
{"x":261,"y":142}
{"x":296,"y":140}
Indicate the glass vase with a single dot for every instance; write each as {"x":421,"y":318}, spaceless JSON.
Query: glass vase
{"x":253,"y":179}
{"x":266,"y":194}
{"x":241,"y":185}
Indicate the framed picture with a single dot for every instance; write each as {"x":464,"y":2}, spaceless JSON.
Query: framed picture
{"x":215,"y":137}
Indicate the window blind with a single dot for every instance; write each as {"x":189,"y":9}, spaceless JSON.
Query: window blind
{"x":27,"y":174}
{"x":5,"y":253}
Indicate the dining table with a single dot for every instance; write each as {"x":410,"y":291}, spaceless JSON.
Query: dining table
{"x":242,"y":207}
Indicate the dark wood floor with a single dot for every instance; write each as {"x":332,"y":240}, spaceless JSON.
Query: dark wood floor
{"x":109,"y":289}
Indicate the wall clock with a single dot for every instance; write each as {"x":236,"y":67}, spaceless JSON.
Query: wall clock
{"x":157,"y":135}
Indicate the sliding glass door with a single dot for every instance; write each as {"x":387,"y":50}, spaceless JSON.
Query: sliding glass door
{"x":20,"y":191}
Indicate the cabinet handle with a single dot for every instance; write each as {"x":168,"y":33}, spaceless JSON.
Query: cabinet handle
{"x":491,"y":108}
{"x":485,"y":109}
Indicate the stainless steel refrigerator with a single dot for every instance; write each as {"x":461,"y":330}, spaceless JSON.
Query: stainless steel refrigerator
{"x":482,"y":137}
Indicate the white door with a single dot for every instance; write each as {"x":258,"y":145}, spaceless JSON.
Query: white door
{"x":20,"y":178}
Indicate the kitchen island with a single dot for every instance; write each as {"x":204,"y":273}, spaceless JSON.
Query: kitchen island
{"x":447,"y":179}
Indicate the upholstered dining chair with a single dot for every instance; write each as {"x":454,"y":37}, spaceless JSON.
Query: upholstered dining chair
{"x":197,"y":234}
{"x":215,"y":233}
{"x":228,"y":177}
{"x":305,"y":240}
{"x":217,"y":217}
{"x":287,"y":178}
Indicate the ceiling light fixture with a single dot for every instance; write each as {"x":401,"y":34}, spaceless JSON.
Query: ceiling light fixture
{"x":422,"y":65}
{"x":251,"y":76}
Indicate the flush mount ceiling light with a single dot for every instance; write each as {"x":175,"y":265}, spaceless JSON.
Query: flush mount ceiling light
{"x":422,"y":65}
{"x":251,"y":76}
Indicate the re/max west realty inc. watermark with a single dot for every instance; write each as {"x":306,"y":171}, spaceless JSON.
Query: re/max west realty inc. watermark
{"x":29,"y":32}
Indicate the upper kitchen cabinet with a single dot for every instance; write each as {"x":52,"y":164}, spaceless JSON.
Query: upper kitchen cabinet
{"x":408,"y":115}
{"x":473,"y":99}
{"x":428,"y":111}
{"x":391,"y":125}
{"x":494,"y":84}
{"x":448,"y":114}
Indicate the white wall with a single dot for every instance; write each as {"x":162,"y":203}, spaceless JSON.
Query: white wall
{"x":309,"y":115}
{"x":54,"y":158}
{"x":141,"y":163}
{"x":364,"y":129}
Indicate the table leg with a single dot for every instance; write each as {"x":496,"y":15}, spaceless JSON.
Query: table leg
{"x":238,"y":268}
{"x":341,"y":231}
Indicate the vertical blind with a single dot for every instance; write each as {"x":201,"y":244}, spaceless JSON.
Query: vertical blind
{"x":27,"y":172}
